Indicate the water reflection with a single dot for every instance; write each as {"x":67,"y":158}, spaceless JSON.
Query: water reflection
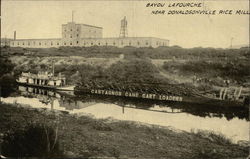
{"x":230,"y":121}
{"x":69,"y":101}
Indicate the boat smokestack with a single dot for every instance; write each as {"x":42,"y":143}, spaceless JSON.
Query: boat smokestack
{"x":53,"y":67}
{"x":14,"y":35}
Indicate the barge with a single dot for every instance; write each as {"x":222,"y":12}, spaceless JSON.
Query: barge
{"x":191,"y":99}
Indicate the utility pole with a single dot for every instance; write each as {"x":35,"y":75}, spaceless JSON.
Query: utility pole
{"x":231,"y":45}
{"x":5,"y":40}
{"x":72,"y":16}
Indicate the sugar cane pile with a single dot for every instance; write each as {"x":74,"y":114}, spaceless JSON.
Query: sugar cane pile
{"x":131,"y":76}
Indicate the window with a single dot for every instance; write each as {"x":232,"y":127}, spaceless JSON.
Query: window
{"x":23,"y":43}
{"x":77,"y":42}
{"x":70,"y":36}
{"x":146,"y":43}
{"x":129,"y":43}
{"x":77,"y":35}
{"x":113,"y":43}
{"x":64,"y":43}
{"x":71,"y":43}
{"x":70,"y":29}
{"x":51,"y":43}
{"x":65,"y":30}
{"x":18,"y":43}
{"x":138,"y":43}
{"x":99,"y":43}
{"x":91,"y":43}
{"x":39,"y":43}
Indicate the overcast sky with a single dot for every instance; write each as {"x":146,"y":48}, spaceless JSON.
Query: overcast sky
{"x":43,"y":19}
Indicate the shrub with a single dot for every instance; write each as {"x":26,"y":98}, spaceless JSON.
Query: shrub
{"x":33,"y":141}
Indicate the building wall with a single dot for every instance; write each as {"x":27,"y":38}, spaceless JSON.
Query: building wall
{"x":118,"y":42}
{"x":72,"y":33}
{"x":5,"y":41}
{"x":128,"y":41}
{"x":88,"y":31}
{"x":36,"y":43}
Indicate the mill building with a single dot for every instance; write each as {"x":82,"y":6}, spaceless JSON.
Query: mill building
{"x":85,"y":35}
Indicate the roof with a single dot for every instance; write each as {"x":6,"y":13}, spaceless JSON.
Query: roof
{"x":85,"y":25}
{"x":125,"y":38}
{"x":115,"y":38}
{"x":92,"y":26}
{"x":36,"y":39}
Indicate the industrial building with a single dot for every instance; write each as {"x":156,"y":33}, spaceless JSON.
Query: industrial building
{"x":87,"y":35}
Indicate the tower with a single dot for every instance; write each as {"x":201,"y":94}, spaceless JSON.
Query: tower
{"x":123,"y":30}
{"x":14,"y":35}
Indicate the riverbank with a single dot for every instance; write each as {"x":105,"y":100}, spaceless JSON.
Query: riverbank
{"x":175,"y":71}
{"x":89,"y":137}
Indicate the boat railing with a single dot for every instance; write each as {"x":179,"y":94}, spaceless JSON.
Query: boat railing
{"x":43,"y":76}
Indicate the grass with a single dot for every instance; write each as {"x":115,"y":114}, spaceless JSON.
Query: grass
{"x":83,"y":136}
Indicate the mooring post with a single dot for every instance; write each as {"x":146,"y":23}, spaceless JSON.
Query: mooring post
{"x":239,"y":93}
{"x":235,"y":93}
{"x":221,"y":92}
{"x":0,"y":94}
{"x":225,"y":93}
{"x":52,"y":104}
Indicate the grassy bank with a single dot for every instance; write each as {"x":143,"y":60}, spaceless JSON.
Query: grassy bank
{"x":88,"y":137}
{"x":165,"y":52}
{"x":181,"y":71}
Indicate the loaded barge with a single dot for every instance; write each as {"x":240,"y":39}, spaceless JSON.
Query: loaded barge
{"x":58,"y":83}
{"x":199,"y":99}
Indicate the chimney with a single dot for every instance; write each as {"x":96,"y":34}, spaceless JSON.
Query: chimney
{"x":14,"y":35}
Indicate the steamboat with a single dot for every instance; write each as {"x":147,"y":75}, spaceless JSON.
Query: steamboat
{"x":47,"y":80}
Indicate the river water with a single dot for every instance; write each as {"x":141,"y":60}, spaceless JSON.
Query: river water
{"x":232,"y":122}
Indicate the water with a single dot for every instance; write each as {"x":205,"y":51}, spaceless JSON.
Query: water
{"x":231,"y":122}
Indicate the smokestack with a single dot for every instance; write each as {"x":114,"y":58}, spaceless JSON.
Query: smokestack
{"x":14,"y":35}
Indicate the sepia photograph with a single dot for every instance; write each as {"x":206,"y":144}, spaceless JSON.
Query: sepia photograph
{"x":124,"y":79}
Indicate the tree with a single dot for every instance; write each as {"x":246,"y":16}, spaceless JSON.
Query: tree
{"x":36,"y":140}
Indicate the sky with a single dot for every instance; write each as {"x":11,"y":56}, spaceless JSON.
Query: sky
{"x":43,"y":19}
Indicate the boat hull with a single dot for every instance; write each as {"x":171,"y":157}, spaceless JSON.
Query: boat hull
{"x":59,"y":88}
{"x":192,"y":100}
